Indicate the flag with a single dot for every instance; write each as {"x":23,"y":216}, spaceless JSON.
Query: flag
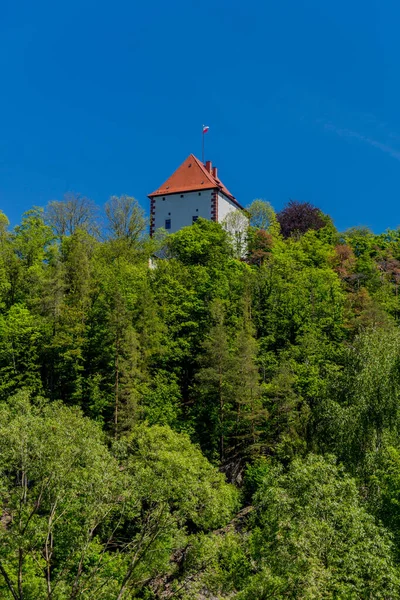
{"x":205,"y":128}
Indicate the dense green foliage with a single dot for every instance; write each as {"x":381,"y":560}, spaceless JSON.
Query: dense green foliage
{"x":198,"y":415}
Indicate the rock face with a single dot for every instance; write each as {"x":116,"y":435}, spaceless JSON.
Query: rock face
{"x":162,"y":587}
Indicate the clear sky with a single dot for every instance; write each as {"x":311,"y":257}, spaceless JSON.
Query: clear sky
{"x":302,"y":98}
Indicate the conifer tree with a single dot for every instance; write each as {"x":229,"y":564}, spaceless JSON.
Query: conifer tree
{"x":250,"y":413}
{"x":215,"y":389}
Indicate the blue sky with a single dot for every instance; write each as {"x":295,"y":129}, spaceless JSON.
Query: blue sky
{"x":302,"y":99}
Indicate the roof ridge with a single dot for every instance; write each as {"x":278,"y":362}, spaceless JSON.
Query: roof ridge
{"x":209,"y":175}
{"x":186,"y":179}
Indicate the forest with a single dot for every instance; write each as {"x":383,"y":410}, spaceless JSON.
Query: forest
{"x":204,"y":415}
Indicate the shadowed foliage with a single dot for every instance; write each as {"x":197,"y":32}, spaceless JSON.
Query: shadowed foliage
{"x":299,"y":217}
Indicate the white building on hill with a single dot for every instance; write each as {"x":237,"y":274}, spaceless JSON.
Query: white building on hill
{"x":193,"y":191}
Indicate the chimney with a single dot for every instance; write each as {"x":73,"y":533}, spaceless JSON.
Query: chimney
{"x":209,"y":166}
{"x":215,"y":172}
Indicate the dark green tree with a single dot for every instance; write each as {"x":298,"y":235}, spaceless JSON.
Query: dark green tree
{"x":312,"y":538}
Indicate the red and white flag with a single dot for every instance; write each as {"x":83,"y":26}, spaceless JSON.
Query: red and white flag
{"x":205,"y":128}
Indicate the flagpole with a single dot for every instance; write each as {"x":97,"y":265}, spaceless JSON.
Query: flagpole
{"x":205,"y":129}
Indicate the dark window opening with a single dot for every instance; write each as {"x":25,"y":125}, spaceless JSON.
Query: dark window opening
{"x":167,"y":223}
{"x":197,"y":210}
{"x":181,"y":195}
{"x":194,"y":219}
{"x":199,"y":193}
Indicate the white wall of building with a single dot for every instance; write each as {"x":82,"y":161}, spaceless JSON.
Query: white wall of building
{"x":225,"y":206}
{"x":235,"y":221}
{"x":182,"y":210}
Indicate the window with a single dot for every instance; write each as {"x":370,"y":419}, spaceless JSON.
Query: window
{"x":199,"y":193}
{"x":194,"y":219}
{"x":181,"y":195}
{"x":167,"y":223}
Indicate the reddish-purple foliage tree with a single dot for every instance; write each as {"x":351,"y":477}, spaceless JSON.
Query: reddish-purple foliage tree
{"x":260,"y":244}
{"x":299,"y":217}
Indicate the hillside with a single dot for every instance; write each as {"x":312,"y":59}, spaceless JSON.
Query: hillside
{"x":224,"y":424}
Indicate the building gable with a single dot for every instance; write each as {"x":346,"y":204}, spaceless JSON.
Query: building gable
{"x":193,"y":176}
{"x":193,"y":190}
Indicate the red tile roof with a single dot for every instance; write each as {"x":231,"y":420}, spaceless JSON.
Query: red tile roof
{"x":192,"y":176}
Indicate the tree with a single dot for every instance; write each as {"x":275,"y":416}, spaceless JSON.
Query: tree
{"x":162,"y":401}
{"x":80,"y":522}
{"x":262,"y":215}
{"x":285,"y":430}
{"x":344,"y":261}
{"x":215,"y":388}
{"x":260,"y":244}
{"x":362,"y":403}
{"x":32,"y":242}
{"x":126,"y":219}
{"x":7,"y":259}
{"x":32,"y":238}
{"x":61,"y":487}
{"x":176,"y":492}
{"x":72,"y":281}
{"x":297,"y":289}
{"x":21,"y":336}
{"x":130,"y":376}
{"x":251,"y":416}
{"x":236,"y":224}
{"x":122,"y":337}
{"x":312,"y":538}
{"x":384,"y":490}
{"x":74,"y":212}
{"x":202,"y":243}
{"x":299,"y":217}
